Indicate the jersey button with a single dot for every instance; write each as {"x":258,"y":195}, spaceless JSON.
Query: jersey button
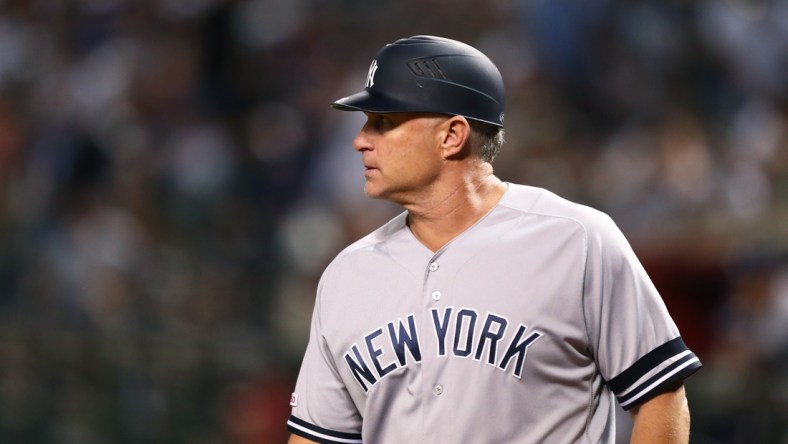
{"x":437,"y":390}
{"x":436,"y":295}
{"x":434,"y":266}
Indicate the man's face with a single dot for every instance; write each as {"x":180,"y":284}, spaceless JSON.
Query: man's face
{"x":401,"y":154}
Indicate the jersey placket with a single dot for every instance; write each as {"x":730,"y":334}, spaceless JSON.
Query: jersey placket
{"x":434,"y":297}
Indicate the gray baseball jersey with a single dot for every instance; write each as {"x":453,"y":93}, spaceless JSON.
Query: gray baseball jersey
{"x":526,"y":328}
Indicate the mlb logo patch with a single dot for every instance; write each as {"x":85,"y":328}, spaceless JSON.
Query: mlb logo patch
{"x":294,"y":399}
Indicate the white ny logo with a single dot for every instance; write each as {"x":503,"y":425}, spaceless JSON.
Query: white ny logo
{"x":371,"y":74}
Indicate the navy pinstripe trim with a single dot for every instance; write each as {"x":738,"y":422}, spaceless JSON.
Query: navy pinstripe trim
{"x":319,"y":434}
{"x":647,"y":363}
{"x":686,"y":364}
{"x":660,"y":382}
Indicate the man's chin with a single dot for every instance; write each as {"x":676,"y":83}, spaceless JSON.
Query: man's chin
{"x":375,"y":192}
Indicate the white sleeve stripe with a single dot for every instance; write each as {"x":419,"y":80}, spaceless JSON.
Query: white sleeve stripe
{"x":322,"y":436}
{"x":636,"y":384}
{"x":659,"y":381}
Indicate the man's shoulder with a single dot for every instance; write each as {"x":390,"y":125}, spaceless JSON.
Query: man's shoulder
{"x":375,"y":239}
{"x":541,"y":202}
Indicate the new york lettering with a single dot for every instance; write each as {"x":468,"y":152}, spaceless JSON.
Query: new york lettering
{"x":460,"y":334}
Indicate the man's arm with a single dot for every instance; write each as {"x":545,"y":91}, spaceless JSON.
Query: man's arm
{"x":662,"y":419}
{"x":295,"y":439}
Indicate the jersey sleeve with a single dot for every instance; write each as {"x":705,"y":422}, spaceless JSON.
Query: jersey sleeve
{"x":635,"y":342}
{"x":322,"y":409}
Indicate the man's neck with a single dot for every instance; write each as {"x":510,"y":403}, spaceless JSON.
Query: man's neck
{"x":453,"y":208}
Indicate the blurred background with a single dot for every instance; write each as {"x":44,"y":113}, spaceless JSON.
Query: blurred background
{"x":172,"y":183}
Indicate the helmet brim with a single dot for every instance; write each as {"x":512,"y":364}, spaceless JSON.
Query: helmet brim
{"x":369,"y":102}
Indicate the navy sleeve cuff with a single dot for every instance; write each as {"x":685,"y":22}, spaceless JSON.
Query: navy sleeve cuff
{"x":304,"y":429}
{"x":654,"y":373}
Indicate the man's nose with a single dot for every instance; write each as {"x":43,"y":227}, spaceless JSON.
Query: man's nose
{"x":362,"y":141}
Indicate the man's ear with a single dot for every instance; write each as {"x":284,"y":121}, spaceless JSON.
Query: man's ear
{"x":455,"y":132}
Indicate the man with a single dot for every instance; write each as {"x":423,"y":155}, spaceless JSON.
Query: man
{"x":487,"y":312}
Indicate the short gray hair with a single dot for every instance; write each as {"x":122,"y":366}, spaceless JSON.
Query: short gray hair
{"x":486,"y":139}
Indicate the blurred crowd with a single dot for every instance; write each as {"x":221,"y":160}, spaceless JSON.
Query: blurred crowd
{"x":172,"y":183}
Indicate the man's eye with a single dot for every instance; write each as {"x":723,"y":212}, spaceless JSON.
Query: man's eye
{"x":382,"y":123}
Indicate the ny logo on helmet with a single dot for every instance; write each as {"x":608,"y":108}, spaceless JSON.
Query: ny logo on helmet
{"x":371,"y":74}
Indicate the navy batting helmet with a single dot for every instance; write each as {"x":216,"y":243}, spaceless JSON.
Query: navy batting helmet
{"x":433,"y":75}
